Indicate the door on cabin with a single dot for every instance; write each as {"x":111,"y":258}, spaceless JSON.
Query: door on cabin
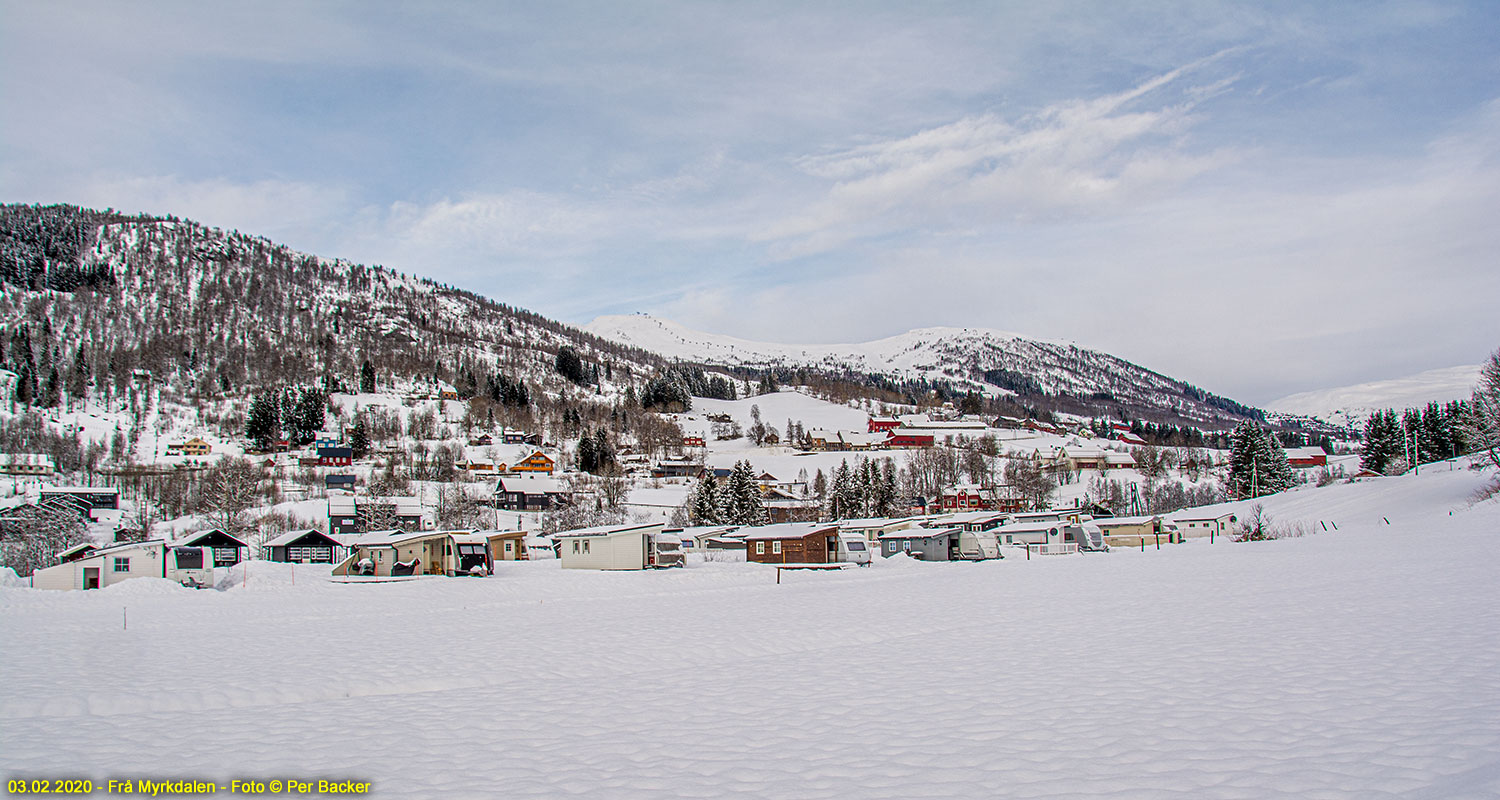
{"x":90,"y":577}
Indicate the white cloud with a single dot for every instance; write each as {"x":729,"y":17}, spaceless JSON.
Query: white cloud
{"x":1071,"y":157}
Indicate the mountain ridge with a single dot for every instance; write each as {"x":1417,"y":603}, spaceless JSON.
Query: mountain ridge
{"x":999,"y":363}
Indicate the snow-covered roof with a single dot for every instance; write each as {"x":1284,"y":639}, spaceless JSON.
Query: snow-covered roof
{"x":1026,"y":527}
{"x":918,"y":533}
{"x":292,"y":536}
{"x":376,"y":538}
{"x":790,"y":530}
{"x":1106,"y":522}
{"x":1306,"y":452}
{"x":530,"y":484}
{"x":78,"y":548}
{"x":874,"y":522}
{"x":969,"y":517}
{"x":343,"y":504}
{"x":188,"y":539}
{"x":607,"y":530}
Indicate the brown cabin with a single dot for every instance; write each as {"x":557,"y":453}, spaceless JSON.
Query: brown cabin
{"x":792,"y":543}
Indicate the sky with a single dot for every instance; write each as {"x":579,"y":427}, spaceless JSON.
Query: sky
{"x":1260,"y":199}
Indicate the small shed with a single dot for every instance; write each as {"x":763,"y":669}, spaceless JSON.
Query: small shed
{"x":305,"y":547}
{"x":228,"y":550}
{"x":927,"y":544}
{"x":793,"y":543}
{"x":507,"y":545}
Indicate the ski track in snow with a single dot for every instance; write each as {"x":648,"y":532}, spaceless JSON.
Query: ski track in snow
{"x":1356,"y":664}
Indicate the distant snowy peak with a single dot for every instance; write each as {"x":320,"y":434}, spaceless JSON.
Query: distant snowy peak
{"x":676,"y":341}
{"x":997,"y":361}
{"x":1353,"y":404}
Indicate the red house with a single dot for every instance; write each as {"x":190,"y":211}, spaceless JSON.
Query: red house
{"x":335,"y":456}
{"x":1305,"y":457}
{"x":692,"y":441}
{"x":968,"y":497}
{"x":883,"y":424}
{"x":908,"y":440}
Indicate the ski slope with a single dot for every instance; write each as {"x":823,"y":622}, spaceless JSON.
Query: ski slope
{"x":1356,"y":664}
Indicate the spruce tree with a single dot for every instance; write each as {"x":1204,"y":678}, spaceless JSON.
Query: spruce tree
{"x":263,"y":422}
{"x":1257,"y":464}
{"x":703,"y":504}
{"x":359,"y":438}
{"x":588,"y":459}
{"x":366,"y":377}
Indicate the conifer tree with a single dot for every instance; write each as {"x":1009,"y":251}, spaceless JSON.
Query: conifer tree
{"x":263,"y":422}
{"x":1481,"y":423}
{"x":359,"y":438}
{"x":742,"y":502}
{"x":703,"y":505}
{"x":1257,"y":464}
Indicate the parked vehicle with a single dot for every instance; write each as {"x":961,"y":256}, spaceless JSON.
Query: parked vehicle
{"x":853,"y":549}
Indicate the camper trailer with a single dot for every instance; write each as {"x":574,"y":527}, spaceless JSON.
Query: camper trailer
{"x":189,"y":566}
{"x":1055,"y":535}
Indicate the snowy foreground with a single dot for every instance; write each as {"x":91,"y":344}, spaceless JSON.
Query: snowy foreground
{"x":1358,"y":664}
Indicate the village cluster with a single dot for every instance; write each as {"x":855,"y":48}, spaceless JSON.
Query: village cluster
{"x":381,"y":538}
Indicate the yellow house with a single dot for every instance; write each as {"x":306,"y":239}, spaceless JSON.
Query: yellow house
{"x":536,"y":462}
{"x":196,"y":447}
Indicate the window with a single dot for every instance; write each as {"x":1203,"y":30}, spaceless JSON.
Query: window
{"x":309,"y":553}
{"x":760,"y":548}
{"x":508,"y":546}
{"x":890,"y":546}
{"x":585,"y":547}
{"x":775,"y":547}
{"x":856,"y":547}
{"x":122,"y":565}
{"x":576,"y":547}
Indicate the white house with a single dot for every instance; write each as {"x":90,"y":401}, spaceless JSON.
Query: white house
{"x":1204,"y":522}
{"x":111,"y":565}
{"x":619,"y":547}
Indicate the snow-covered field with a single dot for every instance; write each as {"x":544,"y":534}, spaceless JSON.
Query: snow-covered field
{"x":1356,"y":664}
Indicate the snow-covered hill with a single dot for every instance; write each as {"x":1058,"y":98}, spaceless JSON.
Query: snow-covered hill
{"x":1351,"y":405}
{"x":997,"y":362}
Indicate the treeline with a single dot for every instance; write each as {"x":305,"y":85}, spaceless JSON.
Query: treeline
{"x":1438,"y":431}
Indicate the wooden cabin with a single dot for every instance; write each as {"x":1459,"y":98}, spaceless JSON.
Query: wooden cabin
{"x":792,"y":543}
{"x":307,"y":546}
{"x":227,"y":550}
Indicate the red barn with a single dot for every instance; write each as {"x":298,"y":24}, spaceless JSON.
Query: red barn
{"x":1305,"y":457}
{"x":883,"y":424}
{"x":908,"y":440}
